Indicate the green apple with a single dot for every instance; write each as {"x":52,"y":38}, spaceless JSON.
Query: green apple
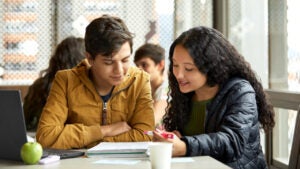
{"x":31,"y":152}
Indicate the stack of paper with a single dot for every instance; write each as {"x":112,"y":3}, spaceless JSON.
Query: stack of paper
{"x":119,"y":149}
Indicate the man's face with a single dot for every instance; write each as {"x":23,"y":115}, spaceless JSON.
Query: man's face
{"x":110,"y":71}
{"x":148,"y":65}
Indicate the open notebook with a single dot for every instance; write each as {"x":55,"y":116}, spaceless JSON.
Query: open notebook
{"x":13,"y":131}
{"x":119,"y":149}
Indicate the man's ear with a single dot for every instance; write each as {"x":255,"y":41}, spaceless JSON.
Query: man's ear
{"x":89,"y":58}
{"x":161,"y":64}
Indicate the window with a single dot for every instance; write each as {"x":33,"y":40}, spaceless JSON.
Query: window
{"x":26,"y":38}
{"x":32,"y":28}
{"x":284,"y":72}
{"x":283,"y":137}
{"x":248,"y":31}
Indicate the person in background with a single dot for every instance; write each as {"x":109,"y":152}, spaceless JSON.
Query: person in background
{"x":151,"y":58}
{"x":104,"y":98}
{"x":218,"y":104}
{"x":68,"y":53}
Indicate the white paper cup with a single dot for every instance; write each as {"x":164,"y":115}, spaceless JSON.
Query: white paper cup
{"x":160,"y":155}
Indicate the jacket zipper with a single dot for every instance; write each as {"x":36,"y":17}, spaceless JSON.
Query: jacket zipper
{"x":104,"y":109}
{"x":104,"y":112}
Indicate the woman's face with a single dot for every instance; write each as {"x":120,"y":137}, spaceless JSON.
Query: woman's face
{"x":188,"y":76}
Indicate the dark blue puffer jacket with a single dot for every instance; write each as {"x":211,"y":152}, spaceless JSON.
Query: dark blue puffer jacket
{"x":232,"y":128}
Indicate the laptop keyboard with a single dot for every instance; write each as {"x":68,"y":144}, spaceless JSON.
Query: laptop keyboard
{"x":62,"y":153}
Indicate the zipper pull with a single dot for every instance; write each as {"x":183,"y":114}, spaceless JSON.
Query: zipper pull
{"x":104,"y":112}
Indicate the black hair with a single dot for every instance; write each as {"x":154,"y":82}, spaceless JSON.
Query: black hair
{"x":105,"y":36}
{"x":218,"y":59}
{"x":68,"y":53}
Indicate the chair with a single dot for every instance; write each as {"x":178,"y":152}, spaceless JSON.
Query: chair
{"x":294,"y":162}
{"x":285,"y":100}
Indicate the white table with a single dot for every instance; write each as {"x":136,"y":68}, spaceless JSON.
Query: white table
{"x":203,"y":162}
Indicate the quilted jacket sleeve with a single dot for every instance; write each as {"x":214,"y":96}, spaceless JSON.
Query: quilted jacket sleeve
{"x":235,"y":117}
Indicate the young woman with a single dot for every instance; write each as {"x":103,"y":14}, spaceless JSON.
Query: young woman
{"x":103,"y":99}
{"x":218,"y":104}
{"x":67,"y":54}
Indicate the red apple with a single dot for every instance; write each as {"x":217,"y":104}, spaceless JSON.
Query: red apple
{"x":31,"y":152}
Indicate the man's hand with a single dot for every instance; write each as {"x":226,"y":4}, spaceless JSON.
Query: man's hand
{"x":115,"y":129}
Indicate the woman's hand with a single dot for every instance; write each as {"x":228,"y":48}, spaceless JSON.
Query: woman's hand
{"x":179,"y":147}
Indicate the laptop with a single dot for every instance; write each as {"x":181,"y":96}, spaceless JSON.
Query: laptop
{"x":13,"y":130}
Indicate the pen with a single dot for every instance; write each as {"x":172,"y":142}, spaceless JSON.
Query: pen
{"x":165,"y":135}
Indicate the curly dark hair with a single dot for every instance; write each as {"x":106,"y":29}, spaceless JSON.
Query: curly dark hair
{"x":105,"y":35}
{"x":67,"y":54}
{"x":219,"y":60}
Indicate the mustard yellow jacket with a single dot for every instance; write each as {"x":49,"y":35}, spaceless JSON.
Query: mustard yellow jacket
{"x":72,"y":115}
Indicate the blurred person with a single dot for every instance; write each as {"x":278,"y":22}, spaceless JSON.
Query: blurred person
{"x":218,"y":104}
{"x":104,"y":98}
{"x":68,"y":53}
{"x":151,"y":58}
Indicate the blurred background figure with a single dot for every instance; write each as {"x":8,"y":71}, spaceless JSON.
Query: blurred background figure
{"x":151,"y":58}
{"x":67,"y":54}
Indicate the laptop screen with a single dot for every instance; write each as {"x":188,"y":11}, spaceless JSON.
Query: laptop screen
{"x":12,"y":125}
{"x":13,"y":130}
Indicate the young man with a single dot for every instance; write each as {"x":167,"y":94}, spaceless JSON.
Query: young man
{"x":103,"y":98}
{"x":151,"y":58}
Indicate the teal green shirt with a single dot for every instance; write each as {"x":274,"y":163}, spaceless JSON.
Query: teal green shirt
{"x":195,"y":124}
